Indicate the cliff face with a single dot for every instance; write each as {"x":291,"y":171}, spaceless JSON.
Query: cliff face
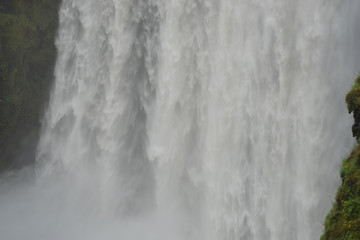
{"x":27,"y":56}
{"x":343,"y":221}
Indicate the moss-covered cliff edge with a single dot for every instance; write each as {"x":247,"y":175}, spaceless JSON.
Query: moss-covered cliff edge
{"x":27,"y":56}
{"x":343,"y":220}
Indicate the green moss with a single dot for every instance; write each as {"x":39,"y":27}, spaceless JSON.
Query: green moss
{"x":27,"y":56}
{"x":343,"y":220}
{"x":353,"y":97}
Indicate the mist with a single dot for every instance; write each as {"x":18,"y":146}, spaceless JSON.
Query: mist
{"x":183,"y":120}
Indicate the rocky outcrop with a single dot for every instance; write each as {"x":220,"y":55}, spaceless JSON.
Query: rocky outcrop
{"x":343,"y":221}
{"x":27,"y":56}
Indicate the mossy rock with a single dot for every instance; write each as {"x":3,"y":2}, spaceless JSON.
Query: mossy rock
{"x":27,"y":56}
{"x":343,"y":220}
{"x":353,"y":104}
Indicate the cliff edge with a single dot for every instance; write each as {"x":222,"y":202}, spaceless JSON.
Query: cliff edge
{"x":343,"y":220}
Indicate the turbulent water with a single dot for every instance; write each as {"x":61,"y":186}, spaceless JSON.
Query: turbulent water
{"x":191,"y":119}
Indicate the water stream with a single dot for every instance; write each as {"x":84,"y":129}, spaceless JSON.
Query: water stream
{"x":191,"y":119}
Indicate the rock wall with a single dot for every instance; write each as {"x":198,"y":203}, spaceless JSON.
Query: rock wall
{"x":343,"y":221}
{"x":27,"y":56}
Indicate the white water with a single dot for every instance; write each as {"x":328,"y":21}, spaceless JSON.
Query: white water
{"x":191,"y":119}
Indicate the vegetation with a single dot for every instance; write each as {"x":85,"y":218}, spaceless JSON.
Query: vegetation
{"x":27,"y":55}
{"x":343,"y":221}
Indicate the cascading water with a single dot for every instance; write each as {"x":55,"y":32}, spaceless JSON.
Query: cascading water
{"x":191,"y":119}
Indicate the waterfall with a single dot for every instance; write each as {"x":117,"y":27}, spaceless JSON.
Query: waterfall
{"x":192,"y":119}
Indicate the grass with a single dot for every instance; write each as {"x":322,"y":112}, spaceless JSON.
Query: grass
{"x":353,"y":97}
{"x":343,"y":220}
